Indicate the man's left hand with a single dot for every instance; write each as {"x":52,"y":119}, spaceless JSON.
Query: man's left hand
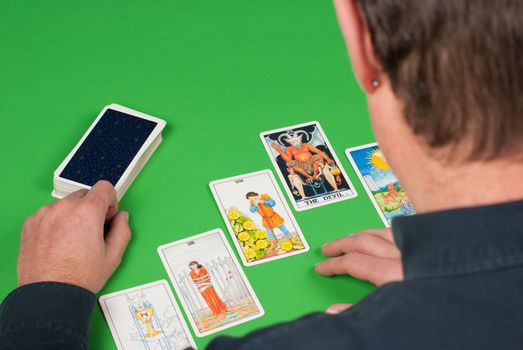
{"x":369,"y":255}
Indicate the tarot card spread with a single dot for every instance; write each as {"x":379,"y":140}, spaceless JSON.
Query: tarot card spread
{"x":382,"y":186}
{"x":146,"y":317}
{"x":307,"y":165}
{"x":258,"y":218}
{"x":210,"y":283}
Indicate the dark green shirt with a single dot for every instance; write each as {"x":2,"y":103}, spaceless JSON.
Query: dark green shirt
{"x":463,"y":290}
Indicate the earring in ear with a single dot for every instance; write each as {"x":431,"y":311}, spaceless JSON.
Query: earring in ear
{"x":375,"y":83}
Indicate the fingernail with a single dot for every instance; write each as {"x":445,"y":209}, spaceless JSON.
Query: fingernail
{"x":333,"y":310}
{"x":324,"y":244}
{"x":126,"y":215}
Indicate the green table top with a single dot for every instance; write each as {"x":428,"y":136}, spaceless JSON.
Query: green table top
{"x":218,"y":72}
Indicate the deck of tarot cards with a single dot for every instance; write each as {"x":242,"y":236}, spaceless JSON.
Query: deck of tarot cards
{"x":115,"y":148}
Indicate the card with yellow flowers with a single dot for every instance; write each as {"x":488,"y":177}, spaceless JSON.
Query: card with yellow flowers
{"x":258,"y":218}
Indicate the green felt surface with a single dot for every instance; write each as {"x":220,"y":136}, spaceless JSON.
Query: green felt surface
{"x":219,"y":72}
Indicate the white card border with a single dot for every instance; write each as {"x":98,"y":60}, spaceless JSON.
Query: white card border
{"x":285,"y":205}
{"x":180,"y":295}
{"x":154,"y":133}
{"x":362,"y":180}
{"x":282,"y":178}
{"x":165,"y":284}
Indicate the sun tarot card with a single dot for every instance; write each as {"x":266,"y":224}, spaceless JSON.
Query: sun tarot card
{"x":307,"y":165}
{"x":382,"y":186}
{"x":210,"y":283}
{"x":146,"y":318}
{"x":259,"y":220}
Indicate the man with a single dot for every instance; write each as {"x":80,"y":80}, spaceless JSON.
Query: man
{"x":271,"y":220}
{"x":442,"y":80}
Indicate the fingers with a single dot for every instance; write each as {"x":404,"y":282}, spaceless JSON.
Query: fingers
{"x":384,"y":233}
{"x":332,"y":266}
{"x":337,"y":308}
{"x":369,"y":255}
{"x":368,"y":242}
{"x":117,"y":238}
{"x":111,"y":213}
{"x":77,"y":194}
{"x":370,"y":268}
{"x":104,"y":195}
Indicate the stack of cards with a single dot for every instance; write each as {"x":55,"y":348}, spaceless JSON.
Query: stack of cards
{"x":115,"y":148}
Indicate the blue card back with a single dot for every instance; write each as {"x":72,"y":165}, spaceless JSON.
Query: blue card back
{"x":109,"y":148}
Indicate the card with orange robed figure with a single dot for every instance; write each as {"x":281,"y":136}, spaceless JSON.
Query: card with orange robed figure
{"x":210,"y":283}
{"x":258,"y":218}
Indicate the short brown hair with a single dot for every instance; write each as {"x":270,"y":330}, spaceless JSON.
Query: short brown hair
{"x":251,"y":194}
{"x":456,"y":65}
{"x":194,"y":262}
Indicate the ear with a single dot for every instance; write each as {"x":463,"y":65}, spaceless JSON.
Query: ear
{"x":354,"y":28}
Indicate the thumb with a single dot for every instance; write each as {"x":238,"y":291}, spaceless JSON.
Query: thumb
{"x":337,"y":308}
{"x":117,"y":238}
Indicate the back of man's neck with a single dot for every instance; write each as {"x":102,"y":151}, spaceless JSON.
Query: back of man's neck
{"x":439,"y":187}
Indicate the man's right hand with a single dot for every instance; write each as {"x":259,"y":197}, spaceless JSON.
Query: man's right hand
{"x":369,"y":255}
{"x":65,"y":241}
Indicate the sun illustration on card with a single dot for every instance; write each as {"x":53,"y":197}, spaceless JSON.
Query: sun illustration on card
{"x":377,"y":160}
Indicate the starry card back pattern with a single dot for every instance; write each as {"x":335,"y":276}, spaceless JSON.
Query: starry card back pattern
{"x":109,"y":148}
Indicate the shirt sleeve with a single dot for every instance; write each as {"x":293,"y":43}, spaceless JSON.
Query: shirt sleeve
{"x":269,"y":202}
{"x":46,"y":315}
{"x":314,"y":331}
{"x":373,"y":323}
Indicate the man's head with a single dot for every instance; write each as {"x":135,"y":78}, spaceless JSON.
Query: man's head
{"x":252,"y":196}
{"x":442,"y":78}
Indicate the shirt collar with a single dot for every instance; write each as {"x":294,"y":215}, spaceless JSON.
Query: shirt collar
{"x":460,"y":241}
